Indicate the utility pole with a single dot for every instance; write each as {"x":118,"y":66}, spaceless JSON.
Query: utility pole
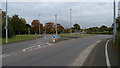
{"x":119,"y":10}
{"x":114,"y":22}
{"x":6,"y":24}
{"x":39,"y":24}
{"x":70,"y":22}
{"x":56,"y":25}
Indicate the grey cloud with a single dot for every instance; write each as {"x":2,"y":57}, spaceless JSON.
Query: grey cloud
{"x":86,"y":14}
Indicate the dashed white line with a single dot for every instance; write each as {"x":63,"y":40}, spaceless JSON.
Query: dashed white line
{"x":23,"y":50}
{"x":36,"y":47}
{"x":4,"y":55}
{"x":106,"y":54}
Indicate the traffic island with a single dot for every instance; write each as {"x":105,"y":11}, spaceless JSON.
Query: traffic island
{"x":64,"y":38}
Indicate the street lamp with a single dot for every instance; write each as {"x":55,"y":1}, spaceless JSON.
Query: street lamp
{"x":70,"y":22}
{"x":6,"y":25}
{"x":39,"y":24}
{"x":114,"y":22}
{"x":56,"y":25}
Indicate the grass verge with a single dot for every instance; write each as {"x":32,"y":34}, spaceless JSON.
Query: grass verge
{"x":19,"y":38}
{"x":76,"y":34}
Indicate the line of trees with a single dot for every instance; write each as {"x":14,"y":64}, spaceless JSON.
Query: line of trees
{"x":103,"y":29}
{"x":15,"y":26}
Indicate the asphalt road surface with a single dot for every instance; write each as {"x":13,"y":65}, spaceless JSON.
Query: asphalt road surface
{"x":52,"y":54}
{"x":12,"y":47}
{"x":98,"y":55}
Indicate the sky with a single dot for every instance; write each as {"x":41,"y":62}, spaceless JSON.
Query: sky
{"x":86,"y":14}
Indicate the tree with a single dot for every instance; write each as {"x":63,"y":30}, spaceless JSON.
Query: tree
{"x":59,"y":28}
{"x":49,"y":27}
{"x":18,"y":24}
{"x":103,"y":28}
{"x":11,"y":32}
{"x":35,"y":27}
{"x":76,"y":27}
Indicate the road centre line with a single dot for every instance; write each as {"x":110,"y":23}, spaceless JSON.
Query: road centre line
{"x":30,"y":48}
{"x":4,"y":55}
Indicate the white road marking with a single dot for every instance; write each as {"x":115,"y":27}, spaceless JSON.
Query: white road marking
{"x":23,"y":50}
{"x":106,"y":54}
{"x":38,"y":45}
{"x":48,"y":44}
{"x":4,"y":55}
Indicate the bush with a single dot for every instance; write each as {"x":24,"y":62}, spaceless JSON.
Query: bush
{"x":101,"y":32}
{"x":118,"y":39}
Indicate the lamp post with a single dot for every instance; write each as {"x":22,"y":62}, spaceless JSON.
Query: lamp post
{"x":114,"y":23}
{"x":56,"y":25}
{"x":39,"y":24}
{"x":70,"y":22}
{"x":6,"y":27}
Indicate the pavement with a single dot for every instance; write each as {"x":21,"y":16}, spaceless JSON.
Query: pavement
{"x":50,"y":54}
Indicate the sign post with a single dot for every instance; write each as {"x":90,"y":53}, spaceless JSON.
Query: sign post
{"x":6,"y":24}
{"x":53,"y":38}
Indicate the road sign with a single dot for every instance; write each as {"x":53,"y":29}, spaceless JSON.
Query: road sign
{"x":5,"y":27}
{"x":56,"y":29}
{"x":53,"y":37}
{"x":63,"y":31}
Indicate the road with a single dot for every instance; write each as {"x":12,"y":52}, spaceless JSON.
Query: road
{"x":11,"y":47}
{"x":98,"y":55}
{"x":54,"y":54}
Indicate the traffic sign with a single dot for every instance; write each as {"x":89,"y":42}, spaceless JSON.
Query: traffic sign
{"x":5,"y":27}
{"x":63,"y":31}
{"x":56,"y":29}
{"x":53,"y":38}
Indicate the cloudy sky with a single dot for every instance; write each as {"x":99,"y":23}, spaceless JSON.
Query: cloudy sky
{"x":87,"y":14}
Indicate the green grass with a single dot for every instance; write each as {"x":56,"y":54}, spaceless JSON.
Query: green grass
{"x":101,"y":32}
{"x":76,"y":34}
{"x":19,"y":38}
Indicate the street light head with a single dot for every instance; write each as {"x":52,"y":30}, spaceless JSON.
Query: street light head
{"x":70,"y":9}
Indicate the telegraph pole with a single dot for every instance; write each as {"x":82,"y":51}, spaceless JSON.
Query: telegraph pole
{"x":56,"y":25}
{"x":70,"y":22}
{"x":114,"y":22}
{"x":39,"y":24}
{"x":6,"y":27}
